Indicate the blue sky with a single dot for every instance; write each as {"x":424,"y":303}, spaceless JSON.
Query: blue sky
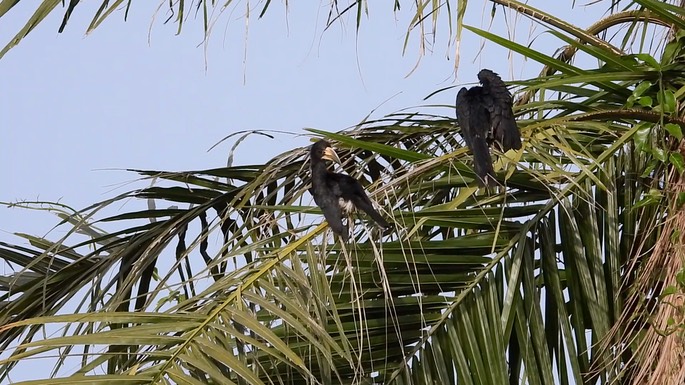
{"x":75,"y":109}
{"x":74,"y":106}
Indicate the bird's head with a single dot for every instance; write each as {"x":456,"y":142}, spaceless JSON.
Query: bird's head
{"x":487,"y":76}
{"x":323,"y":150}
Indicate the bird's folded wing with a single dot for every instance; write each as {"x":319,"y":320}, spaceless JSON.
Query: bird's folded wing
{"x":475,"y":126}
{"x":499,"y":103}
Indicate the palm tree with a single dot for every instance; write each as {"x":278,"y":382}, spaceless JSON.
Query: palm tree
{"x":571,"y":272}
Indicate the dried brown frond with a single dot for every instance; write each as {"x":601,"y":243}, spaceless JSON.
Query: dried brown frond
{"x":653,"y":321}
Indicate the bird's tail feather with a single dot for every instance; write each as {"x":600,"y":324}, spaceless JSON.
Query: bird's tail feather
{"x":367,"y":207}
{"x":379,"y":219}
{"x":483,"y":163}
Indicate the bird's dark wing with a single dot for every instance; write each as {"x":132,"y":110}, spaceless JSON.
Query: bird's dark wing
{"x":474,"y":121}
{"x":327,"y":198}
{"x":328,"y":202}
{"x":497,"y":100}
{"x":351,"y":190}
{"x":333,"y":216}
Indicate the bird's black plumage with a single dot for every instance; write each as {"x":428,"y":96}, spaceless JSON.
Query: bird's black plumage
{"x":485,"y":116}
{"x":337,"y":194}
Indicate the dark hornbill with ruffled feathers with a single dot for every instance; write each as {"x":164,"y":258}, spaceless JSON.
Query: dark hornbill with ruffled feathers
{"x":337,"y":194}
{"x":485,"y":116}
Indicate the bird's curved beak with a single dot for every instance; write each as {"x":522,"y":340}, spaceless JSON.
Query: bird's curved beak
{"x":330,"y":154}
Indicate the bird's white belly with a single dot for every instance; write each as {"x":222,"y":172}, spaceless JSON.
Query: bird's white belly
{"x":346,"y":206}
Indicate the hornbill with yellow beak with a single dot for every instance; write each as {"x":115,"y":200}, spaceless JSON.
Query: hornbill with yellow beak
{"x":337,"y":194}
{"x":485,"y":116}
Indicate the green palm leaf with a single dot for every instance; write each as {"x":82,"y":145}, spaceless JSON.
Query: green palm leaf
{"x":229,"y":277}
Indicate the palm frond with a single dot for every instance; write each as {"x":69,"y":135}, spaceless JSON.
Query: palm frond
{"x":227,"y":278}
